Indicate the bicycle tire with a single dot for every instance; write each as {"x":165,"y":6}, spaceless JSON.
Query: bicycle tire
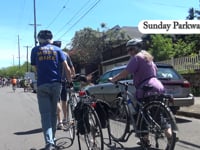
{"x":118,"y":120}
{"x":158,"y":118}
{"x":70,"y":126}
{"x":94,"y":139}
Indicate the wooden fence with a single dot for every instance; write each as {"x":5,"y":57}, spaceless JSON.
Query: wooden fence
{"x":185,"y":63}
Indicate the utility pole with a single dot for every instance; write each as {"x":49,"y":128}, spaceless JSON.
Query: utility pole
{"x":27,"y":69}
{"x":19,"y":50}
{"x":35,"y":23}
{"x":35,"y":29}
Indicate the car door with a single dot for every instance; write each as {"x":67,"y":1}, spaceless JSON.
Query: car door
{"x":104,"y":89}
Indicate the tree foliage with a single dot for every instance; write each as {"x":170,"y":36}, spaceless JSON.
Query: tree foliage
{"x":85,"y":46}
{"x":164,"y":47}
{"x":193,"y":14}
{"x":161,"y":47}
{"x":88,"y":44}
{"x":15,"y":71}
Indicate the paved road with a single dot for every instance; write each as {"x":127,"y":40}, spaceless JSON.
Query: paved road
{"x":21,"y":128}
{"x":20,"y":122}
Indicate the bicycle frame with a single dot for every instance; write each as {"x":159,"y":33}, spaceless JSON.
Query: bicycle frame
{"x":126,"y":95}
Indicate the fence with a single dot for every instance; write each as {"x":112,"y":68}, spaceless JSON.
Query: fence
{"x":184,"y":63}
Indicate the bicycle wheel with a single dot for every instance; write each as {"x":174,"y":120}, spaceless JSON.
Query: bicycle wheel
{"x":118,"y":120}
{"x":70,"y":126}
{"x":94,"y":139}
{"x":158,"y":127}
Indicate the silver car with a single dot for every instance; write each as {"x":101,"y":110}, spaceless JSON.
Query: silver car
{"x":174,"y":84}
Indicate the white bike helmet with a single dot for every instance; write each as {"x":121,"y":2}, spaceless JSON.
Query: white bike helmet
{"x":134,"y":42}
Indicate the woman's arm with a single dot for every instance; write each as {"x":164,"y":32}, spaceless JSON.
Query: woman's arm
{"x":119,"y":76}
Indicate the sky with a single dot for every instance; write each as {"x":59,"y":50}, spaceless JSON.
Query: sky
{"x":65,"y":17}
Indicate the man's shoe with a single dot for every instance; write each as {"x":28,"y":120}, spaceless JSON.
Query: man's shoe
{"x":60,"y":126}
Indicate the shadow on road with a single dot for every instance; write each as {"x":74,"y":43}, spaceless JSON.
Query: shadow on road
{"x":182,"y":120}
{"x":64,"y":142}
{"x":34,"y":131}
{"x":189,"y":144}
{"x":119,"y":146}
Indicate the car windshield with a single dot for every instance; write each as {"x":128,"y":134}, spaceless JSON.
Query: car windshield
{"x":163,"y":73}
{"x":104,"y":78}
{"x":167,"y":73}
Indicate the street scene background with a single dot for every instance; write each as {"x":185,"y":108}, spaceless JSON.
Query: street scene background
{"x":21,"y":127}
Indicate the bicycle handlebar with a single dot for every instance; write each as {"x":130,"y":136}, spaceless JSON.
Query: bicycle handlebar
{"x":80,"y":77}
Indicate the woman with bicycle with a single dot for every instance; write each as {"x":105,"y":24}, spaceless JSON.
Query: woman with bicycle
{"x":143,"y":69}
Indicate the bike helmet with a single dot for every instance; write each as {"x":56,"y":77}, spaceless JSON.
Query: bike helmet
{"x":57,"y":43}
{"x":44,"y":36}
{"x":134,"y":42}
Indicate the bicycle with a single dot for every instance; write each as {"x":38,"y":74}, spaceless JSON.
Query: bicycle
{"x":87,"y":120}
{"x":82,"y":118}
{"x":151,"y":119}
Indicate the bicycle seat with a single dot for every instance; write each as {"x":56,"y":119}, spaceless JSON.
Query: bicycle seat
{"x":147,"y":88}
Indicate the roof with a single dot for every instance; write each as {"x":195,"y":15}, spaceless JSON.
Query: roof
{"x":132,"y":32}
{"x":124,"y":33}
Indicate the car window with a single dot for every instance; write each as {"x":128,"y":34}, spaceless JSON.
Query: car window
{"x":115,"y":72}
{"x":104,"y":77}
{"x":167,"y":73}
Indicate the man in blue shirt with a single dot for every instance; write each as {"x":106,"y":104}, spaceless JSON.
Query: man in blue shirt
{"x":47,"y":60}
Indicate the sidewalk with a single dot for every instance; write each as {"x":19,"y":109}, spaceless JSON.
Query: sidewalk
{"x":192,"y":111}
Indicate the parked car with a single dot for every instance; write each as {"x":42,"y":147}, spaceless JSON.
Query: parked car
{"x":173,"y":82}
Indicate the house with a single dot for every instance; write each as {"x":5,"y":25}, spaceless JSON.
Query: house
{"x":117,"y":54}
{"x":113,"y":52}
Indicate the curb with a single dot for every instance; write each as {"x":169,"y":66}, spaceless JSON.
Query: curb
{"x":188,"y":114}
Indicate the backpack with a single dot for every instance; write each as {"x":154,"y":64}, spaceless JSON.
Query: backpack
{"x":82,"y":118}
{"x":102,"y":111}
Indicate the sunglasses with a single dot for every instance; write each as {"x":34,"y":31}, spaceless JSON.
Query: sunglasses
{"x":129,"y":49}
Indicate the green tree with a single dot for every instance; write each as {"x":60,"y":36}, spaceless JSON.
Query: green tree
{"x":85,"y":45}
{"x":161,"y":47}
{"x":193,"y":14}
{"x":182,"y":48}
{"x":14,"y":71}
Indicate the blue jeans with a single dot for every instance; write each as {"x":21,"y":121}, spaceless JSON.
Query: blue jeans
{"x":48,"y":96}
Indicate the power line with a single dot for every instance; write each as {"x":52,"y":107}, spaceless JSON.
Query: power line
{"x":80,"y":18}
{"x":64,"y":6}
{"x":56,"y":17}
{"x":73,"y":17}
